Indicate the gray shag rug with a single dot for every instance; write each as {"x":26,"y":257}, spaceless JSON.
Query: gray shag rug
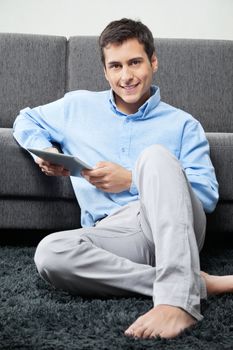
{"x":33,"y":315}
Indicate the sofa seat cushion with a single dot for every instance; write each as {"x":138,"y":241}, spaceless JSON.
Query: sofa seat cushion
{"x":21,"y":177}
{"x":39,"y":214}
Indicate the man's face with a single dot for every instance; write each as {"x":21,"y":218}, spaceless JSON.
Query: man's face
{"x":129,"y":73}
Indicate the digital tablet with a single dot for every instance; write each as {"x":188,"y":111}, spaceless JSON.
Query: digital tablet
{"x":71,"y":163}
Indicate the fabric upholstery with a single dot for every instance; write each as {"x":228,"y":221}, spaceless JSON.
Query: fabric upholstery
{"x":197,"y":75}
{"x":221,"y":220}
{"x":84,"y":69}
{"x":221,"y":153}
{"x":39,"y":214}
{"x":32,"y":72}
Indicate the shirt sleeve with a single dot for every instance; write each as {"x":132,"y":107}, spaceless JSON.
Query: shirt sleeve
{"x":40,"y":127}
{"x":195,"y":159}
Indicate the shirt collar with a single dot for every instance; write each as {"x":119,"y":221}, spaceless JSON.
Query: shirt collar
{"x":144,"y":111}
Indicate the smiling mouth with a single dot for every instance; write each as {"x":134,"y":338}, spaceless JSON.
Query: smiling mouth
{"x":130,"y":87}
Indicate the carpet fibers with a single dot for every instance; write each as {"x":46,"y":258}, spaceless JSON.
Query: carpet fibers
{"x":33,"y":315}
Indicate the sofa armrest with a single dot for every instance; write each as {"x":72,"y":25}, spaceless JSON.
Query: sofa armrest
{"x":21,"y":177}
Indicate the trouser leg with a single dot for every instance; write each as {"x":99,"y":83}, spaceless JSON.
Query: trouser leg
{"x":111,"y":259}
{"x":173,"y":220}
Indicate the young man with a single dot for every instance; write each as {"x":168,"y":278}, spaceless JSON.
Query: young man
{"x":143,"y":205}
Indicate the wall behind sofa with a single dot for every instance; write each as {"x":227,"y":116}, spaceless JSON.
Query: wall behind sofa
{"x":207,"y":19}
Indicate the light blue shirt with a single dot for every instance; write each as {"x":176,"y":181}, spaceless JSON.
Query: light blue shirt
{"x":89,"y":125}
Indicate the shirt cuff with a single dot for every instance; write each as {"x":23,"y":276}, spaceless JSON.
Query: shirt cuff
{"x":133,"y":188}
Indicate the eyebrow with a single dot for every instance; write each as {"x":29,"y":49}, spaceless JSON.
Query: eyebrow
{"x":111,"y":63}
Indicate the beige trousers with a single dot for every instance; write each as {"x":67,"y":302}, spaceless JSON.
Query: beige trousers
{"x":150,"y":246}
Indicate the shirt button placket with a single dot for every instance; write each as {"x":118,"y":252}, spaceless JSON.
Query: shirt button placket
{"x":125,"y":140}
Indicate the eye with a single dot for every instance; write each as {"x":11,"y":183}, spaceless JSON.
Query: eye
{"x":135,"y":62}
{"x":115,"y":66}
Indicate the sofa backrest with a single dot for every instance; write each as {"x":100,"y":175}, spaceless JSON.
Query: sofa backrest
{"x":194,"y":75}
{"x":32,"y":72}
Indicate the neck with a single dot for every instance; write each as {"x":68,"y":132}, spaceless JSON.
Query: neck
{"x":130,"y":108}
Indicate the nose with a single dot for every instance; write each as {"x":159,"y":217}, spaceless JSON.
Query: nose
{"x":126,"y":74}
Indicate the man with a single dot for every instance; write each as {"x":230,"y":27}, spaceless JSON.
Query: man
{"x":143,"y":205}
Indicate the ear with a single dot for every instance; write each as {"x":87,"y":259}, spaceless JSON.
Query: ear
{"x":154,"y":63}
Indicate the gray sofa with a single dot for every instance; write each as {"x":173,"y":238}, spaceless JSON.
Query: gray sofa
{"x":195,"y":75}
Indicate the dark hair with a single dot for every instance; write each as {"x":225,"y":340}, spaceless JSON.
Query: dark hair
{"x":124,"y":29}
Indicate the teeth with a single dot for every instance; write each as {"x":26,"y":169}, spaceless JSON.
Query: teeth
{"x":129,"y":87}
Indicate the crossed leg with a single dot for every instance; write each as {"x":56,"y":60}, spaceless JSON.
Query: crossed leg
{"x":117,"y":257}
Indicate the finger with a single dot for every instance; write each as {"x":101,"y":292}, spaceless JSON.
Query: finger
{"x":55,"y":166}
{"x":42,"y":162}
{"x":66,"y":172}
{"x":95,"y":173}
{"x":49,"y":172}
{"x":98,"y":180}
{"x":101,"y":164}
{"x":46,"y":164}
{"x":45,"y":172}
{"x":104,"y":187}
{"x":52,"y":167}
{"x":99,"y":183}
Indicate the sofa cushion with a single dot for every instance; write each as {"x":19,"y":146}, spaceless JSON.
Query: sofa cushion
{"x":32,"y":72}
{"x":221,"y":220}
{"x":196,"y":75}
{"x":41,"y":214}
{"x":84,"y":67}
{"x":21,"y":177}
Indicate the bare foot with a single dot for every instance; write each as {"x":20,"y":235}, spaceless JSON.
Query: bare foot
{"x":163,"y":320}
{"x":218,"y":284}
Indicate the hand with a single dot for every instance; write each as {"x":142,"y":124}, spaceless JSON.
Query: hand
{"x":49,"y":168}
{"x":109,"y":177}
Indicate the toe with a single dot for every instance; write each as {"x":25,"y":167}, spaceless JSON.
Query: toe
{"x":147,"y":333}
{"x":139,"y":331}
